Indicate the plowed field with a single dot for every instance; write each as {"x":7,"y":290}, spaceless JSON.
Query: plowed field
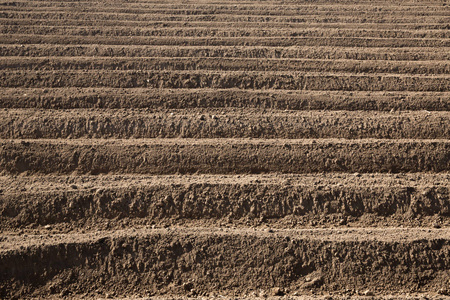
{"x":225,"y":149}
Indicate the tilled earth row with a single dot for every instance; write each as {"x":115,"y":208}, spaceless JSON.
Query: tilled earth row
{"x":195,"y":261}
{"x":412,"y":54}
{"x":70,"y":97}
{"x":222,"y":32}
{"x":221,"y":123}
{"x":155,"y":21}
{"x":224,"y":149}
{"x":224,"y":64}
{"x":308,"y":200}
{"x":221,"y":41}
{"x":316,"y":81}
{"x":226,"y":156}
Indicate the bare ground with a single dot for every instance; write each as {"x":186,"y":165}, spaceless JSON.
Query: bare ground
{"x":198,"y":260}
{"x":221,"y":123}
{"x":280,"y":200}
{"x":224,"y":149}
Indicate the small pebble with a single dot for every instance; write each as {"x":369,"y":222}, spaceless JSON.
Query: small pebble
{"x":276,"y":291}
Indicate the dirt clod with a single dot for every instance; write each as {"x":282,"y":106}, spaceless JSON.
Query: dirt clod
{"x":313,"y":282}
{"x":276,"y":291}
{"x":188,"y":286}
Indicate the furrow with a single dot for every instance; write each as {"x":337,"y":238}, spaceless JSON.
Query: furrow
{"x":232,"y":32}
{"x":221,"y":123}
{"x":65,"y":98}
{"x":223,"y":156}
{"x":410,"y":54}
{"x":215,"y":41}
{"x":294,"y":10}
{"x":386,"y":19}
{"x":205,"y":261}
{"x":277,"y":200}
{"x":293,"y":23}
{"x":224,"y":64}
{"x":225,"y":80}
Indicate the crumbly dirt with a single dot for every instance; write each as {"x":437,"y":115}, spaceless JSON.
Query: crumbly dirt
{"x":197,"y":261}
{"x":303,"y":80}
{"x":408,"y":54}
{"x":225,"y":64}
{"x":295,"y":201}
{"x":65,"y":98}
{"x":222,"y":156}
{"x":295,"y":149}
{"x":221,"y":123}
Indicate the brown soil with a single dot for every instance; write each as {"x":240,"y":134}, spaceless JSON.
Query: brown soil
{"x":293,"y":200}
{"x":225,"y":64}
{"x":221,"y":123}
{"x":226,"y":156}
{"x":64,"y":98}
{"x":219,"y":41}
{"x":410,"y":54}
{"x":197,"y":261}
{"x":223,"y":80}
{"x":225,"y":149}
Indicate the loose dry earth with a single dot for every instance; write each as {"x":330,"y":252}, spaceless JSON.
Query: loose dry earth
{"x":232,"y":149}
